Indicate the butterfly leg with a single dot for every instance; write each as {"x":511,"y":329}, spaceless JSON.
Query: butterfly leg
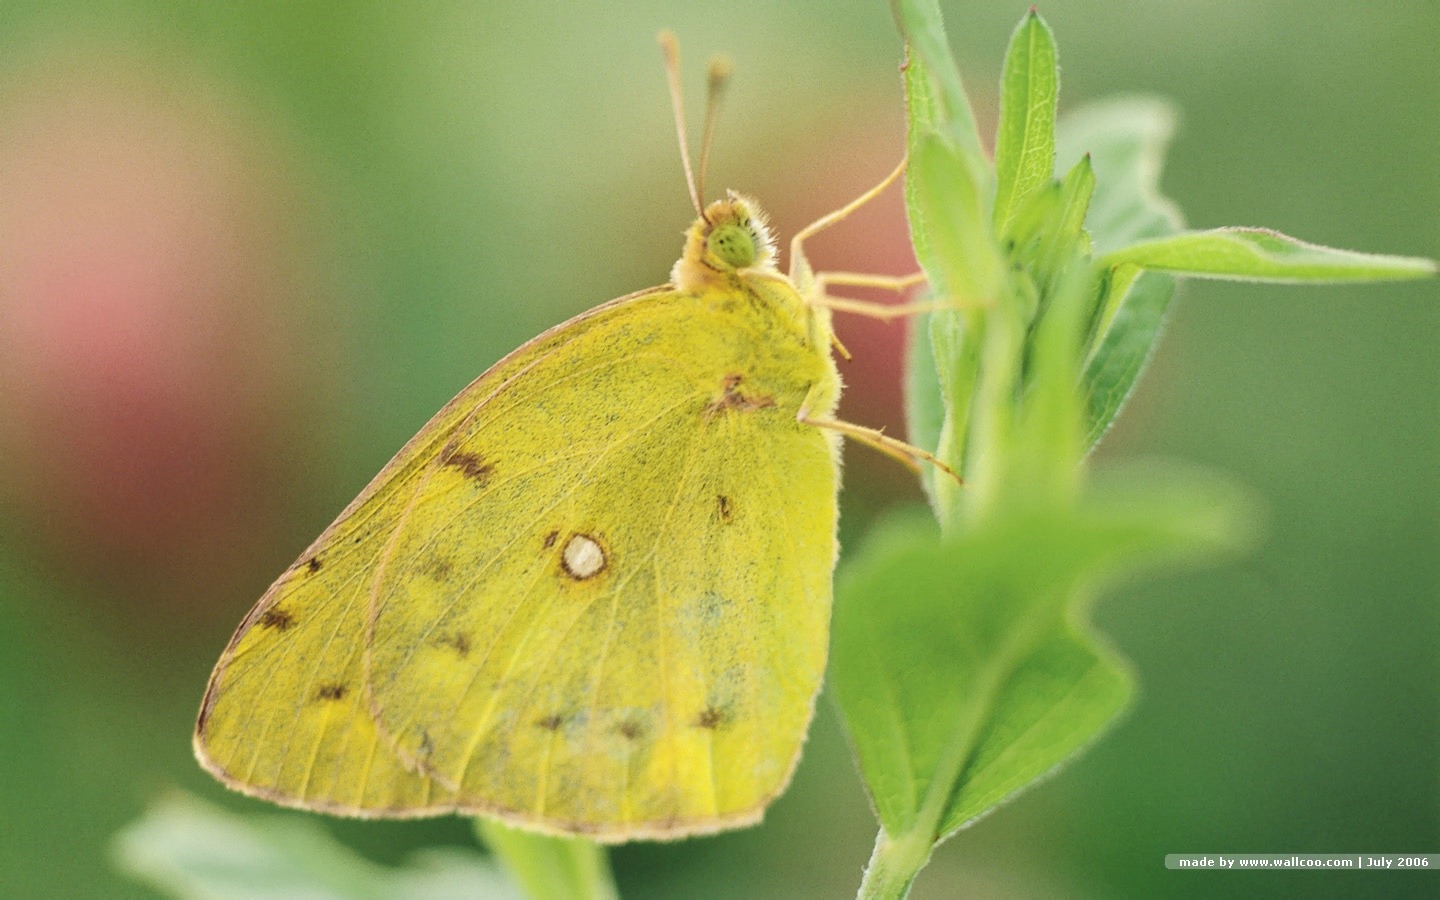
{"x":873,"y":309}
{"x":799,"y":266}
{"x":896,"y":283}
{"x":816,"y":286}
{"x":907,"y":454}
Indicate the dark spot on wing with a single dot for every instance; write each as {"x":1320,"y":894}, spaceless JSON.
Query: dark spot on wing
{"x":332,"y":691}
{"x":459,"y":643}
{"x":711,"y":717}
{"x":472,"y":466}
{"x":276,"y":618}
{"x":731,"y":397}
{"x":551,"y":538}
{"x":630,"y":729}
{"x":706,"y":611}
{"x":313,"y":564}
{"x":438,"y":568}
{"x":723,"y":509}
{"x":551,"y":722}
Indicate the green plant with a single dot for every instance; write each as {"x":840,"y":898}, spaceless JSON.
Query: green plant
{"x":963,"y":665}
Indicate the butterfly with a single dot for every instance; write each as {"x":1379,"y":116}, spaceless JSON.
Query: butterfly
{"x":592,"y":595}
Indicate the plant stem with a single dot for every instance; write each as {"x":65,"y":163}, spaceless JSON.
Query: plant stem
{"x":893,"y":865}
{"x":547,"y":867}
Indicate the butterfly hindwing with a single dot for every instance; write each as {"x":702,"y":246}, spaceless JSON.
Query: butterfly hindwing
{"x":591,"y":595}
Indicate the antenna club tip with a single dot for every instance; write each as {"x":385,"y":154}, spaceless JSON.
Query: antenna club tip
{"x":721,"y":68}
{"x":669,"y":43}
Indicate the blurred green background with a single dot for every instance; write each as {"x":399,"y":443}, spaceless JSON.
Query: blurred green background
{"x":247,"y":249}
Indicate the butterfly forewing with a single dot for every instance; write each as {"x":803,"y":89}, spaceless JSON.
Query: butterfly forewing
{"x":285,"y":715}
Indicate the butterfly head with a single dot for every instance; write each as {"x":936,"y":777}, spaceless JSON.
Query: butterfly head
{"x":730,"y":237}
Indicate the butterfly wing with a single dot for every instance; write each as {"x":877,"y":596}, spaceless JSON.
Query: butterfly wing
{"x":592,"y":595}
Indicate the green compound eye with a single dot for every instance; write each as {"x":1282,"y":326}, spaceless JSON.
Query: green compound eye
{"x":733,"y":245}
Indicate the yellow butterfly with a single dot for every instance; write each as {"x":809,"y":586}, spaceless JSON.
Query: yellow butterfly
{"x":592,"y":595}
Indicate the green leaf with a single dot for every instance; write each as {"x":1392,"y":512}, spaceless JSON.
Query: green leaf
{"x":550,"y":868}
{"x":949,"y":190}
{"x":962,"y":663}
{"x":921,"y":118}
{"x":1128,"y":341}
{"x":1025,"y":135}
{"x":949,"y":220}
{"x":1126,"y":139}
{"x":186,"y":848}
{"x":929,"y":60}
{"x":1042,"y":459}
{"x":1258,"y":254}
{"x":924,"y":408}
{"x":963,"y":667}
{"x":1076,"y":192}
{"x":1049,"y":232}
{"x":949,"y":208}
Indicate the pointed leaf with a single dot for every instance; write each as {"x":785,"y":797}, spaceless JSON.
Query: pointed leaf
{"x":948,"y":207}
{"x":1049,"y":232}
{"x":1076,"y":192}
{"x":949,"y":190}
{"x":1025,"y":136}
{"x":1126,"y":139}
{"x":1259,"y":254}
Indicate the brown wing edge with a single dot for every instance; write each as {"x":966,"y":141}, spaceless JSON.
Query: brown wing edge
{"x":673,"y":829}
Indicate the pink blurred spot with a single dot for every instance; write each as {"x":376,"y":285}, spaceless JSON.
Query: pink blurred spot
{"x":151,"y":320}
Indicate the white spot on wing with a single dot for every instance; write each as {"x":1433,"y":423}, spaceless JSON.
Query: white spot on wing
{"x":582,"y":557}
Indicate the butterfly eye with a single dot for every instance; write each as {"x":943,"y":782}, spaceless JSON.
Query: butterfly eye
{"x":732,"y":244}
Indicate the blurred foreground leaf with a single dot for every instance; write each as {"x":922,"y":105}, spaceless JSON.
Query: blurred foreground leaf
{"x":186,"y":848}
{"x":965,"y":666}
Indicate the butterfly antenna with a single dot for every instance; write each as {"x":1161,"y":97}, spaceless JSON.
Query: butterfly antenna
{"x":720,"y":68}
{"x":670,"y":46}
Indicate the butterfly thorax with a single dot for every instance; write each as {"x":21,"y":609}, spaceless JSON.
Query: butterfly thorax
{"x":729,"y":255}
